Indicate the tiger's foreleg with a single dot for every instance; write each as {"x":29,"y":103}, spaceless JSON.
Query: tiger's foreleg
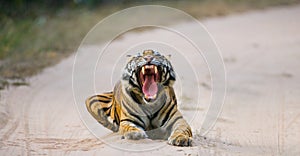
{"x":131,"y":131}
{"x":181,"y":134}
{"x":102,"y":108}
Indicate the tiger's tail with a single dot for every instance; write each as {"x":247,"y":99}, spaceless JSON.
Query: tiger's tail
{"x":102,"y":108}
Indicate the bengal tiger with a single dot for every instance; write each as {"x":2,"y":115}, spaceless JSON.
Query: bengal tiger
{"x":143,"y":102}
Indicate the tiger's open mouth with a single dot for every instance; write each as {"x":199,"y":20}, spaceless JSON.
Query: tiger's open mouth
{"x":149,"y":77}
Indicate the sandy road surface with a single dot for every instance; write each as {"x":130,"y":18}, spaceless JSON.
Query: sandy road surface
{"x":261,"y":114}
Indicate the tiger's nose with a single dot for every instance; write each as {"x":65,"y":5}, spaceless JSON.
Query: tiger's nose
{"x":148,"y":58}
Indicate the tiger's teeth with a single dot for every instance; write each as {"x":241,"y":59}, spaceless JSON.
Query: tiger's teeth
{"x":155,"y":69}
{"x":151,"y":97}
{"x":148,"y":66}
{"x":143,"y":70}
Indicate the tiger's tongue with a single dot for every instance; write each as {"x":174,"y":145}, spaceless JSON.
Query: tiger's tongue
{"x":150,"y":86}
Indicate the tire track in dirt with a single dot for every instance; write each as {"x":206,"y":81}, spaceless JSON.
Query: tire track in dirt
{"x":59,"y":144}
{"x":4,"y":116}
{"x":281,"y":126}
{"x":12,"y":127}
{"x":11,"y":124}
{"x":26,"y":133}
{"x":26,"y":128}
{"x":66,"y":144}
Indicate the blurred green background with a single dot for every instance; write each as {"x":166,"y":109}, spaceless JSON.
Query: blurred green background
{"x":35,"y":34}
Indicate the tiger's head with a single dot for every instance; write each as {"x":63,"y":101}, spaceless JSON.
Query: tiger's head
{"x":147,"y":74}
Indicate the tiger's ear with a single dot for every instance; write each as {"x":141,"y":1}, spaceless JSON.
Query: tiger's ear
{"x":129,"y":57}
{"x":168,"y":57}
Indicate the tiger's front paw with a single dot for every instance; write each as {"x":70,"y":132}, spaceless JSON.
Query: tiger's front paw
{"x":180,"y":140}
{"x":135,"y":134}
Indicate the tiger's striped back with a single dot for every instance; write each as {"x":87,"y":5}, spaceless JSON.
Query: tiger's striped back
{"x":103,"y":109}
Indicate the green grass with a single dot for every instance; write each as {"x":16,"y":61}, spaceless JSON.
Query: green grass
{"x":29,"y":44}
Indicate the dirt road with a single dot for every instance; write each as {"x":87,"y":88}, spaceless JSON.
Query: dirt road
{"x":261,"y":114}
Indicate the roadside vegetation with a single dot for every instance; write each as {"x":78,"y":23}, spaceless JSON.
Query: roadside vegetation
{"x":36,"y":34}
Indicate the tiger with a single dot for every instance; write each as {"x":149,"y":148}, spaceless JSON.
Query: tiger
{"x":143,"y":103}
